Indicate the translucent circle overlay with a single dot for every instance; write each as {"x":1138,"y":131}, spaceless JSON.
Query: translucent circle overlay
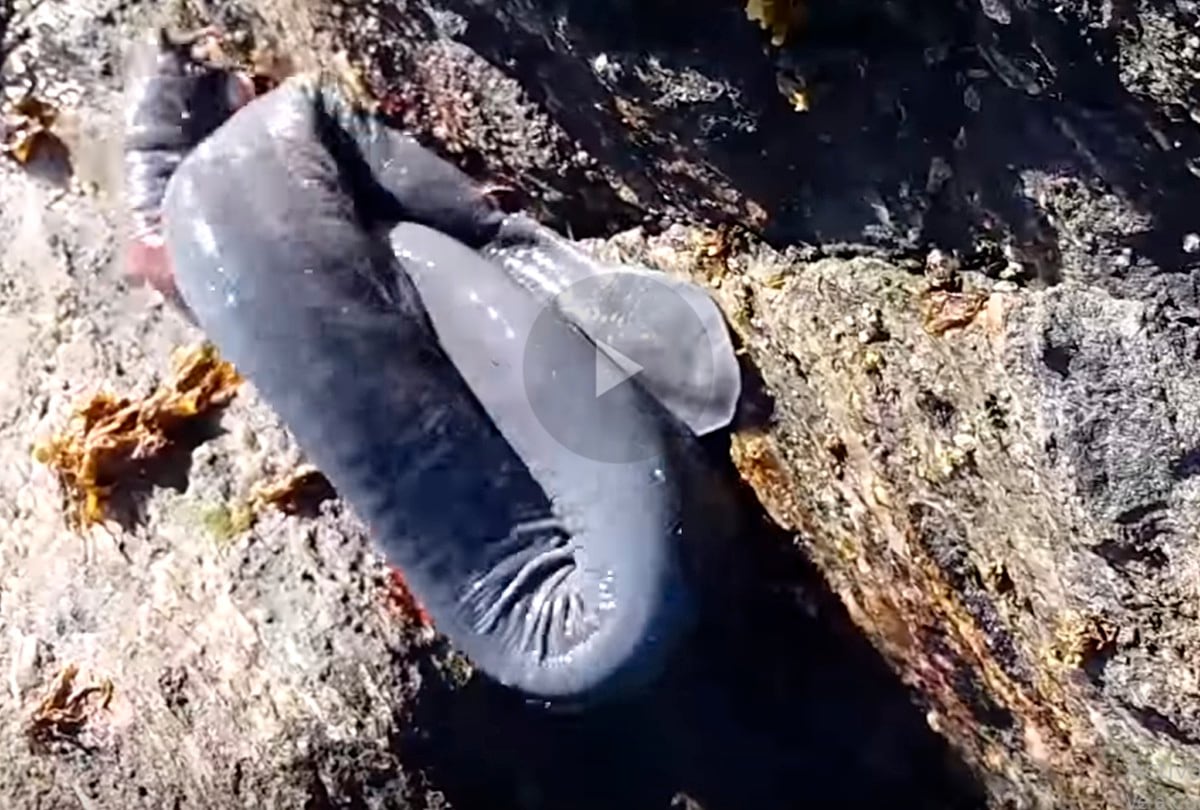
{"x":645,"y":335}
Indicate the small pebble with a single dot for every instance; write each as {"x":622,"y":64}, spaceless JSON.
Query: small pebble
{"x":23,"y":672}
{"x":1191,"y":243}
{"x":940,"y":173}
{"x":971,"y":98}
{"x":1012,"y":270}
{"x":941,"y":268}
{"x":965,"y":441}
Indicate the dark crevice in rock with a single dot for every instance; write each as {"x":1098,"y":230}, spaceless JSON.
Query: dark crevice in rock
{"x":941,"y":411}
{"x":1058,"y":358}
{"x":943,"y":537}
{"x":896,"y":88}
{"x":1186,"y":465}
{"x":318,"y":794}
{"x":775,"y":689}
{"x":985,"y":710}
{"x":1157,"y":722}
{"x":1120,"y":555}
{"x":1137,"y":514}
{"x":1139,"y":539}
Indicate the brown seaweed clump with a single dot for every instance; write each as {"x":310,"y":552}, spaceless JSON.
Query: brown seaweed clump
{"x":68,"y":707}
{"x":26,"y":128}
{"x":111,"y":441}
{"x":301,"y":492}
{"x":942,"y":311}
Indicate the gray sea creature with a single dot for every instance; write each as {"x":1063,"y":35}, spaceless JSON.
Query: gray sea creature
{"x":418,"y":341}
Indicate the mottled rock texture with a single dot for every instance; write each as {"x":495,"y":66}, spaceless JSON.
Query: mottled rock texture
{"x":980,"y":469}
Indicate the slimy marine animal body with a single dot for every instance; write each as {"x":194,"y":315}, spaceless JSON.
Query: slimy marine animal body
{"x":173,"y":101}
{"x":396,"y":321}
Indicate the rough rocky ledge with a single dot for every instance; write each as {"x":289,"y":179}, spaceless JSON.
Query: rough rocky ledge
{"x":976,"y":465}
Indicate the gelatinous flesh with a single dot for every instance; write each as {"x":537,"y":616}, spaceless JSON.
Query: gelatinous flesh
{"x":556,"y":574}
{"x":383,"y":308}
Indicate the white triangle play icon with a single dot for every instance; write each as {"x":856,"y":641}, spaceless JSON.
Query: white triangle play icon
{"x":610,"y":375}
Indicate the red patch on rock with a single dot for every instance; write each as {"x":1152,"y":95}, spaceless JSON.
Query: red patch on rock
{"x":401,"y":599}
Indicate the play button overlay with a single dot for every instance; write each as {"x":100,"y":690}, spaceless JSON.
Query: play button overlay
{"x":610,"y":375}
{"x":616,"y":361}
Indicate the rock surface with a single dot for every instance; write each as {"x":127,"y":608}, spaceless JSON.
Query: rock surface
{"x":263,"y":665}
{"x":260,"y":668}
{"x":987,"y":452}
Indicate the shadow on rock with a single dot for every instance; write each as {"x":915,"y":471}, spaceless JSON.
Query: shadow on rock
{"x":927,"y":123}
{"x":170,"y":470}
{"x":776,"y":702}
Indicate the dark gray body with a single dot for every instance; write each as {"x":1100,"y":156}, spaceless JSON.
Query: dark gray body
{"x":172,"y":103}
{"x":558,"y":575}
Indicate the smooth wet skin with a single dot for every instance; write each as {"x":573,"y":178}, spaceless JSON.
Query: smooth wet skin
{"x":173,"y":102}
{"x":344,"y":270}
{"x":673,"y":327}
